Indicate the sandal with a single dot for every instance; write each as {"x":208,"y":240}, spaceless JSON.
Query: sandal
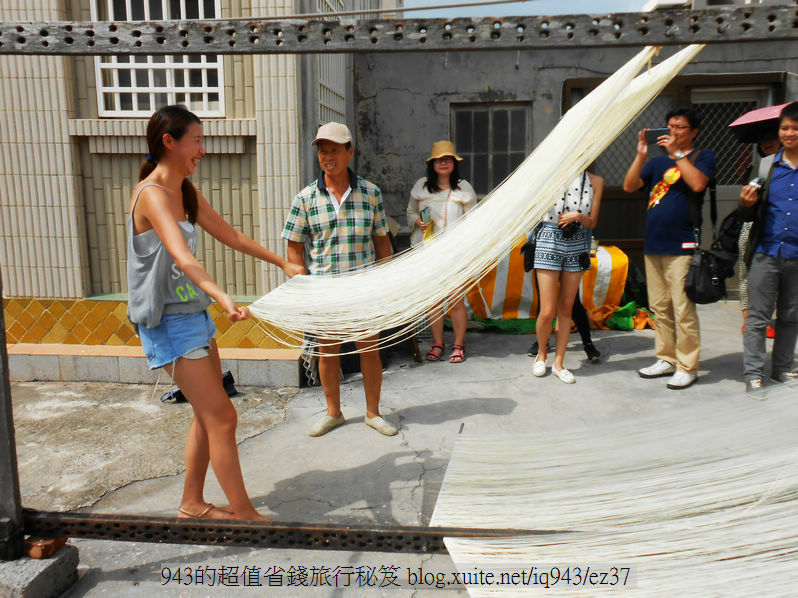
{"x":202,"y":514}
{"x":458,"y":354}
{"x":432,"y":356}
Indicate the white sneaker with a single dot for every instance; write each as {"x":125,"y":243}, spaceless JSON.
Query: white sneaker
{"x":564,"y":375}
{"x":539,"y":368}
{"x":660,"y":368}
{"x":681,"y":380}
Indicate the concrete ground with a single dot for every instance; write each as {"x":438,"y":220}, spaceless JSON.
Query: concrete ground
{"x":352,"y":474}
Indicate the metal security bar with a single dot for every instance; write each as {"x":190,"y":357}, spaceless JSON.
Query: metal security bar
{"x":11,"y":533}
{"x":371,"y":538}
{"x":667,"y":27}
{"x":733,"y":158}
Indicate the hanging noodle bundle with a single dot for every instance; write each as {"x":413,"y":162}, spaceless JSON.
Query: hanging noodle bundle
{"x":397,"y":294}
{"x":695,"y":502}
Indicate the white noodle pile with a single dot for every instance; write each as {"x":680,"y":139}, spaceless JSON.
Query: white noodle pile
{"x":698,"y":503}
{"x":399,"y":292}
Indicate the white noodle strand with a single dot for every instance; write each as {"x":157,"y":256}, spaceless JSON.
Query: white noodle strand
{"x":698,"y":503}
{"x":398,"y":293}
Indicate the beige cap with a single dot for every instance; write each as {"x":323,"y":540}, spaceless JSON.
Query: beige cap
{"x":441,"y":149}
{"x":335,"y":132}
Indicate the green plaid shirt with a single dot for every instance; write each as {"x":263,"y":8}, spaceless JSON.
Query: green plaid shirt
{"x":337,"y":243}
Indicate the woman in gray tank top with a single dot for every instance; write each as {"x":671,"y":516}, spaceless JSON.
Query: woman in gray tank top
{"x":169,"y":292}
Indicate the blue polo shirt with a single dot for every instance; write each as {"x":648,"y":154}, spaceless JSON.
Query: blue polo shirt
{"x":780,"y":238}
{"x":669,"y":229}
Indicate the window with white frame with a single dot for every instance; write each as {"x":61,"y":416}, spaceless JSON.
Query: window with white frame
{"x":139,"y":85}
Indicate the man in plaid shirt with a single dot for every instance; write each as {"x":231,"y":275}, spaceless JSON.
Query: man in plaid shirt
{"x":339,"y":218}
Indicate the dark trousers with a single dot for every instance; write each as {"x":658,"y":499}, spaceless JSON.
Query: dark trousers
{"x":579,"y":316}
{"x":772,"y":283}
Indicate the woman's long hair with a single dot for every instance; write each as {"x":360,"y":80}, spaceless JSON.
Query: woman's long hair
{"x":174,"y":120}
{"x":432,"y":177}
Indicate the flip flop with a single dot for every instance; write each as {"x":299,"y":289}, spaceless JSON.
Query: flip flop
{"x":431,"y":356}
{"x":202,"y":514}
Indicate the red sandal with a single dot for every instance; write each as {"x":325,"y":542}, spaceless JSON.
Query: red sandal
{"x":456,"y":357}
{"x":432,"y":356}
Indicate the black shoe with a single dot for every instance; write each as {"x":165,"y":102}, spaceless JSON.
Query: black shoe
{"x":783,"y":377}
{"x":592,"y":353}
{"x":534,"y":349}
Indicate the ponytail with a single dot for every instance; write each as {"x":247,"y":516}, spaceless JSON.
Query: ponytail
{"x":146,"y":169}
{"x":190,"y":203}
{"x":173,"y":120}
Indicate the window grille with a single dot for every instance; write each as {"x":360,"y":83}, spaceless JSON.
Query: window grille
{"x":139,"y":85}
{"x":733,"y":159}
{"x":718,"y":109}
{"x":492,"y":139}
{"x":332,"y":75}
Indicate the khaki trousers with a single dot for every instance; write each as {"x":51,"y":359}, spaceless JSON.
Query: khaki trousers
{"x":676,"y":330}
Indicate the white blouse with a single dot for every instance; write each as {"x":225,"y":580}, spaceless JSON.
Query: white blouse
{"x":444,"y":214}
{"x":575,"y":199}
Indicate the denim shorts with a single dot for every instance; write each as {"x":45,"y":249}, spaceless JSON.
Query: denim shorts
{"x":178,"y":335}
{"x":555,"y":252}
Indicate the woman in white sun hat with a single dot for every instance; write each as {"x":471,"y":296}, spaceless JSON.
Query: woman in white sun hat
{"x":437,"y":201}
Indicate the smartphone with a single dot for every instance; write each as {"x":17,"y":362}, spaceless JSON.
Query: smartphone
{"x":424,"y":215}
{"x":653,"y":134}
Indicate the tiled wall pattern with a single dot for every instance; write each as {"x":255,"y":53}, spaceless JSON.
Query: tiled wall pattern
{"x":277,"y":116}
{"x":88,"y":322}
{"x":111,"y":152}
{"x":65,"y":187}
{"x":226,"y":177}
{"x":40,"y":228}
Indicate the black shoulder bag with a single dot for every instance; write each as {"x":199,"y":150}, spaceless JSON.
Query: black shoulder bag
{"x":709,"y":269}
{"x":528,"y":249}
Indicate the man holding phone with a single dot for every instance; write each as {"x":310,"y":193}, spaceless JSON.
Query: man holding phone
{"x":675,"y":183}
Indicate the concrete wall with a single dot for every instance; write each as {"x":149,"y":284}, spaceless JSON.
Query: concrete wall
{"x":404,"y":99}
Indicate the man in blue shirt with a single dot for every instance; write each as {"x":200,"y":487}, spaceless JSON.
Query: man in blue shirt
{"x":675,"y":184}
{"x":772,"y":259}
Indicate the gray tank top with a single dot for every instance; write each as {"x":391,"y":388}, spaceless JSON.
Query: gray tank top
{"x":156,"y":286}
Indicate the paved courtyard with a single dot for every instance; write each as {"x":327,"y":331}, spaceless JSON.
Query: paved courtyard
{"x":117,"y":449}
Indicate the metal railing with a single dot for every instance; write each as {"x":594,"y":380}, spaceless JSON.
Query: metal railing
{"x":219,"y":36}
